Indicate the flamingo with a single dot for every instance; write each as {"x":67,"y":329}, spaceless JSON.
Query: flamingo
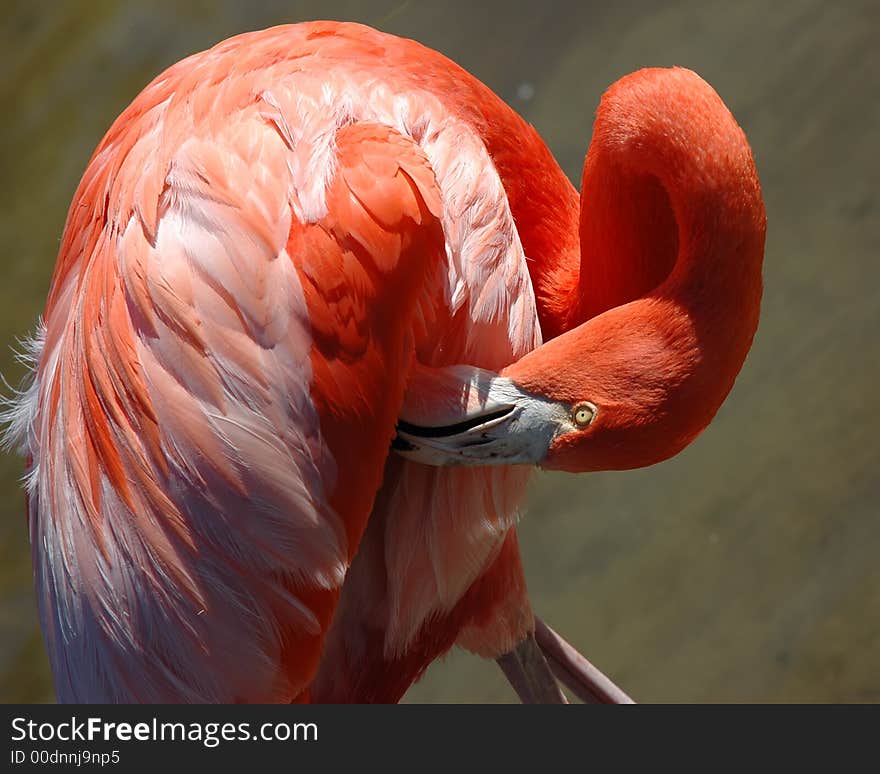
{"x":322,"y":303}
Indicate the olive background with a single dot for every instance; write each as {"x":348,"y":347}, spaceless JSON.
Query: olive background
{"x":745,"y":569}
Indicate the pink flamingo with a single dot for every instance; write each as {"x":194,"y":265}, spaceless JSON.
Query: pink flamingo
{"x":290,"y":242}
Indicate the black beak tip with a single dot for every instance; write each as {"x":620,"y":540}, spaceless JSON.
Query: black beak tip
{"x":399,"y":444}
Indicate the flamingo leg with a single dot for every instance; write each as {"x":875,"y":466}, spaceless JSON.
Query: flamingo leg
{"x":578,"y":674}
{"x":528,"y":672}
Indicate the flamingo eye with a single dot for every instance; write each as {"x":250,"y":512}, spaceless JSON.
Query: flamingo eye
{"x":583,"y":414}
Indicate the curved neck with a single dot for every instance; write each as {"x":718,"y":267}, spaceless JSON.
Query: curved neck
{"x":671,"y":208}
{"x":666,"y":301}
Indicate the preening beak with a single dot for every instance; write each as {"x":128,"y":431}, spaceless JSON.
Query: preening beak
{"x":485,"y":419}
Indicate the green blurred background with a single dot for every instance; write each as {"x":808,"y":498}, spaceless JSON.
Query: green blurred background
{"x":746,"y":569}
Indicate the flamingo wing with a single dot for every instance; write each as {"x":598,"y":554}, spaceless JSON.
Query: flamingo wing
{"x":439,"y":562}
{"x":217,"y":385}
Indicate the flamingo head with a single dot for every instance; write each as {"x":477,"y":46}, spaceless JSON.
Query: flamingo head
{"x":630,"y":388}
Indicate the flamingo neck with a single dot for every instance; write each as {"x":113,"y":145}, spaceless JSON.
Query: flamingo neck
{"x":669,"y":192}
{"x":666,"y":301}
{"x":671,"y":209}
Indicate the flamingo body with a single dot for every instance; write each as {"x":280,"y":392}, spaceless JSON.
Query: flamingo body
{"x":257,"y":249}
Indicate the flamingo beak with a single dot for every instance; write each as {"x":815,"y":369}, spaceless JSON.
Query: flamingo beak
{"x":490,"y":421}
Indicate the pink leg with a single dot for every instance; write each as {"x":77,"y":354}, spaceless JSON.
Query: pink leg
{"x":527,"y":671}
{"x":581,"y":677}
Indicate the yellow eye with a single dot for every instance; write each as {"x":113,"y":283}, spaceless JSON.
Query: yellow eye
{"x":583,"y":414}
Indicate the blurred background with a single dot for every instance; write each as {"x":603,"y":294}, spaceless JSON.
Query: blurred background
{"x":745,"y":569}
